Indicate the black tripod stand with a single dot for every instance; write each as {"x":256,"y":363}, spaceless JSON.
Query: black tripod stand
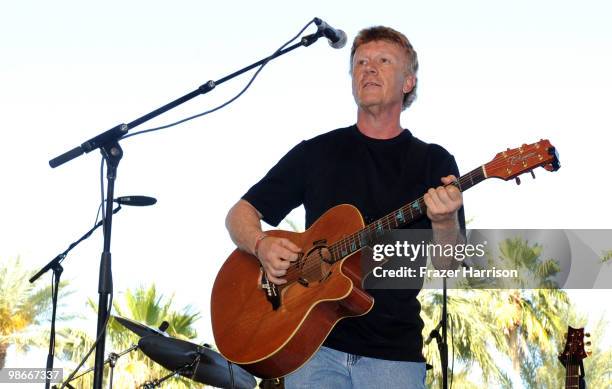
{"x":55,"y":265}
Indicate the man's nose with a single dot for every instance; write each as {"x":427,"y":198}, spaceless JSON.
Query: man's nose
{"x":371,"y":68}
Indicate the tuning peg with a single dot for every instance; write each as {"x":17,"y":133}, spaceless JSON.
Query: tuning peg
{"x":588,"y":334}
{"x":589,"y":353}
{"x":532,"y":174}
{"x":518,"y":181}
{"x":588,"y":343}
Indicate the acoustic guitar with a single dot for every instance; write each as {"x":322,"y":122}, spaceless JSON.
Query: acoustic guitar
{"x":271,"y":330}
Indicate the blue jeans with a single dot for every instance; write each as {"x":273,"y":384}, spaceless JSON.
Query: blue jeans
{"x":333,"y":369}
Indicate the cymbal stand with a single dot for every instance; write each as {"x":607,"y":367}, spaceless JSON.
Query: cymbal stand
{"x":157,"y":382}
{"x":111,"y":361}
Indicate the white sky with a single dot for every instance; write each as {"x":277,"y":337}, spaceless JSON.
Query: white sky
{"x":492,"y":75}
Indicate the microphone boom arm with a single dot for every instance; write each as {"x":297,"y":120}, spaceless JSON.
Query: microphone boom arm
{"x":121,"y":130}
{"x":56,"y":261}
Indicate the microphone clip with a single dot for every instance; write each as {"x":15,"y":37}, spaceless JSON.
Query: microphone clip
{"x":308,"y":40}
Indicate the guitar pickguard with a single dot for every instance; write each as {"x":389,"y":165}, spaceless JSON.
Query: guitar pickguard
{"x":308,"y":270}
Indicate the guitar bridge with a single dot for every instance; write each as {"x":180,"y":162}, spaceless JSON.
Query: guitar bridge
{"x":271,"y":290}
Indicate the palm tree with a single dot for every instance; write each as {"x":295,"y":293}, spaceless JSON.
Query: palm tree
{"x":519,"y":323}
{"x":23,"y":308}
{"x":470,"y":335}
{"x":145,"y":306}
{"x":530,"y":317}
{"x":598,"y":366}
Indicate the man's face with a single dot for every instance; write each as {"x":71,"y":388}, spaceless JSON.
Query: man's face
{"x":380,"y":75}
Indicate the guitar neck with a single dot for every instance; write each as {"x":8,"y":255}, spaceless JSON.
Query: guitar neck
{"x":572,"y":375}
{"x":397,"y":219}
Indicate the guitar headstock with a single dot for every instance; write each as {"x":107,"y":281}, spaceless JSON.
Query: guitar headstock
{"x":514,"y":162}
{"x":574,"y":346}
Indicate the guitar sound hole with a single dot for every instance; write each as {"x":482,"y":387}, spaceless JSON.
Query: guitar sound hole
{"x":316,"y":264}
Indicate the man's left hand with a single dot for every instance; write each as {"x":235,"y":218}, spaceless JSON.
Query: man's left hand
{"x":443,"y":203}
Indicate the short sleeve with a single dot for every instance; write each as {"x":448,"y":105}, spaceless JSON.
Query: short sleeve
{"x":282,"y":188}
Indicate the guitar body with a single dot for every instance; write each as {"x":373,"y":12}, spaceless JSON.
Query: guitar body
{"x":271,"y":342}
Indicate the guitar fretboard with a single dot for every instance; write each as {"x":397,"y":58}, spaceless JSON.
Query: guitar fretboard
{"x":572,"y":374}
{"x":396,"y":219}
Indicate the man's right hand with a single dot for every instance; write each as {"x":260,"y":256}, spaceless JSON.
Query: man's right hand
{"x":276,"y":255}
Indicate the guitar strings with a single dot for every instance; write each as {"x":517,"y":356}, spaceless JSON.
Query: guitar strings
{"x":474,"y":177}
{"x":397,"y":218}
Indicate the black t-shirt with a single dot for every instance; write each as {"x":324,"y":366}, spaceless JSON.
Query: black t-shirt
{"x":377,"y":176}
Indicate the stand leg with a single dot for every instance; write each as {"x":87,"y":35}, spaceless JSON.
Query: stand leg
{"x":112,"y":360}
{"x":57,"y":273}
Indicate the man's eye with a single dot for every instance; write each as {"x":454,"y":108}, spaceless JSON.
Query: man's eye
{"x":385,"y":60}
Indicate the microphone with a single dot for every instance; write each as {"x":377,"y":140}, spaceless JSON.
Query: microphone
{"x":138,"y":201}
{"x":336,"y":37}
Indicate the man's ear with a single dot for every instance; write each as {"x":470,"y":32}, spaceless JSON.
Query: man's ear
{"x":409,"y":83}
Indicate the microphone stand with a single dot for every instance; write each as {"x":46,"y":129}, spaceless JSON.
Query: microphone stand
{"x":441,"y":340}
{"x":112,"y":153}
{"x":108,"y":143}
{"x":55,"y":265}
{"x":443,"y":346}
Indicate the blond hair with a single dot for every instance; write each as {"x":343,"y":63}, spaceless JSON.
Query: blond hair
{"x":382,"y":33}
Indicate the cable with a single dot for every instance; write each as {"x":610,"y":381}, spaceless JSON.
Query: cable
{"x":98,"y":213}
{"x":93,"y":347}
{"x":101,"y":186}
{"x":231,"y":371}
{"x":230,"y":100}
{"x":110,"y":303}
{"x":452,"y":326}
{"x":102,"y":204}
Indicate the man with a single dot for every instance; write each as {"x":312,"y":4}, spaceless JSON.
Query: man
{"x":378,"y":167}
